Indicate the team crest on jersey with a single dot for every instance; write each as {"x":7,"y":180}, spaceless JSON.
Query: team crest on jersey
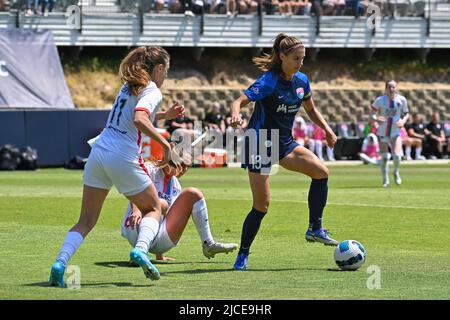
{"x":300,"y":93}
{"x":255,"y":90}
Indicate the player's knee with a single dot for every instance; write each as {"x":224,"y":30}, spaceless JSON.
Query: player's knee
{"x":195,"y":193}
{"x":262,"y":204}
{"x":322,"y":172}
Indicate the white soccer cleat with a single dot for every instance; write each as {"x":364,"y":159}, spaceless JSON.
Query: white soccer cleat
{"x":210,"y":250}
{"x":386,"y":184}
{"x":397,"y":179}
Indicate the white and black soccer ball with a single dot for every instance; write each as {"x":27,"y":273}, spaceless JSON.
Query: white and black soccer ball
{"x":349,"y":255}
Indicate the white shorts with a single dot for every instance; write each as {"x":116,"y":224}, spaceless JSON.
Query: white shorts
{"x":105,"y":168}
{"x":161,"y":244}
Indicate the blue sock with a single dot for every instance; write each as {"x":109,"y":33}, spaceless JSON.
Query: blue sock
{"x":250,"y":229}
{"x":317,"y":199}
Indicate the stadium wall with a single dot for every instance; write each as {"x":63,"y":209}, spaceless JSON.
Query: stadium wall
{"x":176,"y":30}
{"x":58,"y":135}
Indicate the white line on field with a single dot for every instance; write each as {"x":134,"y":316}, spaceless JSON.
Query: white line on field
{"x":348,"y":204}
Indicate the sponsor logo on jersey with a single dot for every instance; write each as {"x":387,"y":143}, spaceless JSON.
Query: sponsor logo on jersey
{"x":287,"y":109}
{"x":255,"y":90}
{"x":282,"y":108}
{"x":300,"y":93}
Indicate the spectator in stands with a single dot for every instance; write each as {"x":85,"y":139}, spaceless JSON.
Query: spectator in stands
{"x":215,"y":119}
{"x":398,"y":8}
{"x":284,"y":7}
{"x":47,"y":3}
{"x":316,"y":9}
{"x":299,"y":131}
{"x":383,"y":5}
{"x":340,"y":7}
{"x":436,"y":136}
{"x":174,"y":6}
{"x":416,"y":137}
{"x":222,"y":6}
{"x":328,"y":7}
{"x":407,"y":143}
{"x":2,"y":5}
{"x":32,"y":7}
{"x":370,"y":150}
{"x":362,"y":7}
{"x":247,"y":6}
{"x":317,"y":141}
{"x":418,"y":8}
{"x":179,"y":123}
{"x":301,"y":7}
{"x":187,"y":8}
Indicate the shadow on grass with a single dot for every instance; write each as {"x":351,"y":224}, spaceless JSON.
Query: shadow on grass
{"x":200,"y":271}
{"x":100,"y":284}
{"x":126,"y":264}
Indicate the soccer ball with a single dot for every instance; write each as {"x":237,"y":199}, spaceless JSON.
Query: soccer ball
{"x":349,"y":255}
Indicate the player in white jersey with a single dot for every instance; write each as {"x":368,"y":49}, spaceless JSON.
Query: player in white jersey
{"x":392,"y":114}
{"x":115,"y":158}
{"x":177,"y":206}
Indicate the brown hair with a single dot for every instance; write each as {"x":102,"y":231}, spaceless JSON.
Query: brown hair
{"x":136,"y":68}
{"x":386,"y":84}
{"x":283,"y":43}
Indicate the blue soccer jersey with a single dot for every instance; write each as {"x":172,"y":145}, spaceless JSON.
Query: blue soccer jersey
{"x":277,"y":101}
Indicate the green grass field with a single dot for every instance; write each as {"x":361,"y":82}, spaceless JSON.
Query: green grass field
{"x":405,"y":230}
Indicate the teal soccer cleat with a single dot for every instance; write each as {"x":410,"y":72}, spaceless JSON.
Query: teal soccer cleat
{"x":143,"y":260}
{"x":57,"y":275}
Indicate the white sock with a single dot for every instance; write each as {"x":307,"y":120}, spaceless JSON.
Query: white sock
{"x":396,"y":159}
{"x":200,"y":218}
{"x":311,"y":145}
{"x":71,"y":243}
{"x":319,"y":150}
{"x":148,"y":229}
{"x":384,"y":166}
{"x":418,"y":152}
{"x":330,"y":154}
{"x":408,"y":151}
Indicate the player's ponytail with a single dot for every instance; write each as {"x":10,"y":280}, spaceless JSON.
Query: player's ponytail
{"x":283,"y":43}
{"x":136,"y":68}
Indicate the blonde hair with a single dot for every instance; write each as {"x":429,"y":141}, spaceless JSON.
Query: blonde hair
{"x":282,"y":44}
{"x":136,"y":68}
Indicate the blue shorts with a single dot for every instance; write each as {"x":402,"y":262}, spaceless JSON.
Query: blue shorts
{"x":258,"y":158}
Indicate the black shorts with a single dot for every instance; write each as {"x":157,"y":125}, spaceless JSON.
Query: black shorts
{"x":259,"y":157}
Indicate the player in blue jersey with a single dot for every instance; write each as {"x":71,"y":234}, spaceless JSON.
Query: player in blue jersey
{"x":278,"y":95}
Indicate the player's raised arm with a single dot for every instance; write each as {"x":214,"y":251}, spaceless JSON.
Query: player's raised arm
{"x":142,"y":122}
{"x":236,"y":106}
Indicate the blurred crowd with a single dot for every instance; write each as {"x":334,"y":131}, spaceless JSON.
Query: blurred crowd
{"x":191,"y":8}
{"x":421,"y":140}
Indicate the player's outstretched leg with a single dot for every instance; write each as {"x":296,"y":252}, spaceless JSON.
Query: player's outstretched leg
{"x":211,"y":249}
